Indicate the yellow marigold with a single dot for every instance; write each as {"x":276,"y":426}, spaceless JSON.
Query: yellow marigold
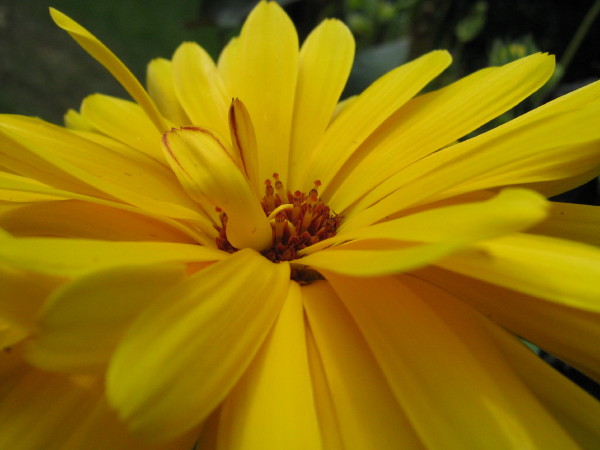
{"x":238,"y":260}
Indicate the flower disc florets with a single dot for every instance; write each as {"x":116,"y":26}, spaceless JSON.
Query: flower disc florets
{"x":297,"y":219}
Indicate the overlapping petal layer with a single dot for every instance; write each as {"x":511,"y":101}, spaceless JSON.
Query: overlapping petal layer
{"x":68,"y":257}
{"x":547,"y":148}
{"x":273,"y":405}
{"x":431,"y":369}
{"x":442,"y":231}
{"x":78,"y":329}
{"x":365,"y":411}
{"x":261,"y":68}
{"x":437,"y":119}
{"x":170,"y":371}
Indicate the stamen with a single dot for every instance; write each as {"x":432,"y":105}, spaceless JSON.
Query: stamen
{"x":297,"y":220}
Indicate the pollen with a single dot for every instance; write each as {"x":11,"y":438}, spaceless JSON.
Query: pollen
{"x":298,"y":220}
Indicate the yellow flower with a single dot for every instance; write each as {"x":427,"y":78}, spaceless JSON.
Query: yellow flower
{"x":238,"y":260}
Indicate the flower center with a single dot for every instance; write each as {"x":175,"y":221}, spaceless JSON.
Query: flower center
{"x":298,"y":220}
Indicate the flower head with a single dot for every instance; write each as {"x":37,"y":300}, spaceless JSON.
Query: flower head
{"x":237,"y":259}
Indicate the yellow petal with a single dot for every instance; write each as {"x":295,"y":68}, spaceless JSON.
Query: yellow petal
{"x":325,"y":62}
{"x":481,"y":336}
{"x":569,"y":333}
{"x":77,"y":219}
{"x":23,"y":294}
{"x":75,"y":121}
{"x":203,"y":335}
{"x":434,"y":120}
{"x":328,"y":418}
{"x":199,"y":88}
{"x":67,"y":257}
{"x":82,"y":322}
{"x":113,"y":64}
{"x":24,"y":419}
{"x":384,"y":248}
{"x":577,"y":411}
{"x":161,"y":87}
{"x":102,"y":429}
{"x":11,"y":334}
{"x":563,"y":271}
{"x":80,"y":417}
{"x":373,"y":257}
{"x":116,"y":171}
{"x":453,"y":396}
{"x":14,"y":188}
{"x":244,"y":143}
{"x":262,"y":74}
{"x":367,"y":113}
{"x":226,"y":64}
{"x":367,"y":414}
{"x":272,"y":406}
{"x":124,"y":121}
{"x":545,"y":149}
{"x":511,"y":210}
{"x":570,"y":221}
{"x":17,"y":159}
{"x":208,"y":173}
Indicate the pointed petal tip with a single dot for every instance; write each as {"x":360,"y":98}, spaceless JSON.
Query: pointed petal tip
{"x":65,"y":22}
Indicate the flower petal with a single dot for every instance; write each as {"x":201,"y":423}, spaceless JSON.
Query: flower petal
{"x":113,"y":64}
{"x":161,"y":88}
{"x":124,"y":121}
{"x":371,"y":258}
{"x":577,"y":411}
{"x":207,"y":171}
{"x":243,"y":139}
{"x":117,"y":172}
{"x":481,"y":337}
{"x":199,"y":88}
{"x":68,"y":257}
{"x":75,"y":121}
{"x":80,"y":417}
{"x":432,"y":371}
{"x":272,"y":405}
{"x":367,"y":113}
{"x":546,"y":149}
{"x":325,"y":62}
{"x":78,"y":328}
{"x":203,"y":335}
{"x":384,"y":248}
{"x":570,"y":333}
{"x":14,"y":188}
{"x":513,"y":209}
{"x":437,"y":119}
{"x":83,"y":220}
{"x":367,"y":414}
{"x":17,"y":161}
{"x":262,"y":74}
{"x":570,"y":221}
{"x":23,"y":294}
{"x":28,"y":398}
{"x":102,"y":429}
{"x":536,"y":265}
{"x":328,"y":418}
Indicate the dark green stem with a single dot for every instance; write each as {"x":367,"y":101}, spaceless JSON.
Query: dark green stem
{"x":578,"y":37}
